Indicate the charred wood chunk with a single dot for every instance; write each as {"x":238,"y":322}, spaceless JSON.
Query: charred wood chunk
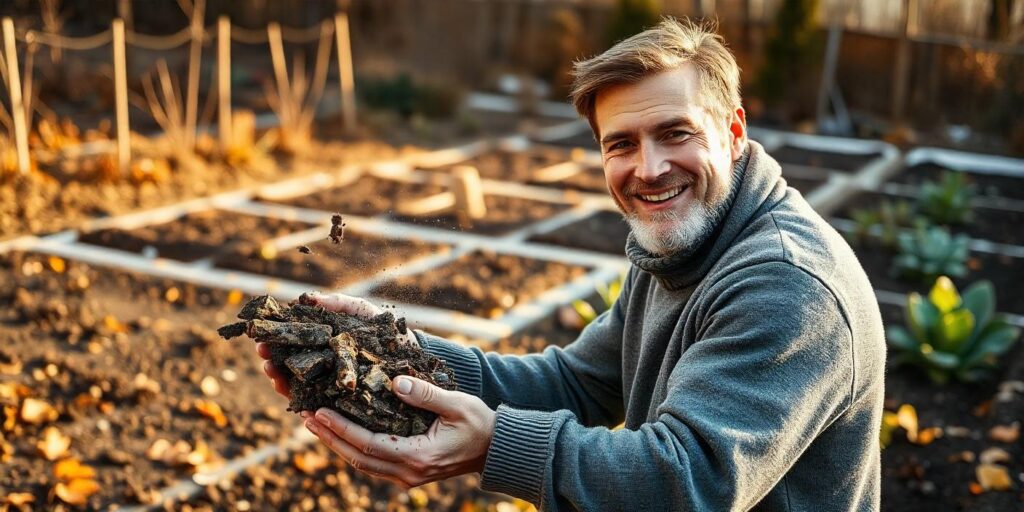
{"x":289,"y":333}
{"x":376,"y":379}
{"x":345,"y":348}
{"x":232,"y":330}
{"x":309,"y":366}
{"x":400,"y":326}
{"x":263,"y":307}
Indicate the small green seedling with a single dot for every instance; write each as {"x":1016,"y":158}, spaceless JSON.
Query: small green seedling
{"x":947,"y":201}
{"x":928,"y":252}
{"x":609,"y":294}
{"x":949,"y":336}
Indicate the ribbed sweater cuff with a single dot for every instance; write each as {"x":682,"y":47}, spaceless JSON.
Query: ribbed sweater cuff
{"x":519,"y":453}
{"x":460,"y":359}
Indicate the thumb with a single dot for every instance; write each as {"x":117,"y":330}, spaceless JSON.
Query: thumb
{"x":422,"y":394}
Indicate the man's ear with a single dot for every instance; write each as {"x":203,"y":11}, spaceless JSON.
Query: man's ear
{"x":737,"y":132}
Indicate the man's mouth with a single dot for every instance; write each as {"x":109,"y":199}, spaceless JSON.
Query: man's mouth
{"x":663,"y":196}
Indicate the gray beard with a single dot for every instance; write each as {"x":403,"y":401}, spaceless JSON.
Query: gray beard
{"x":672,"y":231}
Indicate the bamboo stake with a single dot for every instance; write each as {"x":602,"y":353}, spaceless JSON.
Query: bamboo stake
{"x":194,"y":56}
{"x":469,"y":195}
{"x":121,"y":98}
{"x":14,"y":89}
{"x":224,"y":79}
{"x":280,"y":68}
{"x":345,"y":73}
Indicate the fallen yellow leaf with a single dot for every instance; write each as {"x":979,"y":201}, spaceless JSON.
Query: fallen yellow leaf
{"x":37,"y":411}
{"x":76,"y":492}
{"x":212,"y":410}
{"x":114,"y":325}
{"x":54,"y":444}
{"x":993,"y":477}
{"x":18,"y":499}
{"x":14,"y":390}
{"x":57,"y":264}
{"x":309,"y":462}
{"x":72,"y":469}
{"x":1005,"y":433}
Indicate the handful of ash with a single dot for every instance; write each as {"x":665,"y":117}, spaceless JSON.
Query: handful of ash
{"x":342,"y":362}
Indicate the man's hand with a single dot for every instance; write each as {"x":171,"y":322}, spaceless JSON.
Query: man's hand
{"x":337,"y":302}
{"x":455,"y":444}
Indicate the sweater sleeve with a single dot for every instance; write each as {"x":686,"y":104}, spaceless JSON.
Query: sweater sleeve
{"x":770,"y":370}
{"x":584,"y":378}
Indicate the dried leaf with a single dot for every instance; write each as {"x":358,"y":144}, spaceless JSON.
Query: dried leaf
{"x":10,"y":417}
{"x":975,"y":488}
{"x":37,"y":411}
{"x":1005,"y":433}
{"x":926,"y":436}
{"x":114,"y":325}
{"x":57,"y":264}
{"x":964,"y":456}
{"x":212,"y":410}
{"x":73,"y":469}
{"x":994,"y":455}
{"x":907,"y":418}
{"x":993,"y":477}
{"x":54,"y":444}
{"x":18,"y":499}
{"x":76,"y":492}
{"x":309,"y":462}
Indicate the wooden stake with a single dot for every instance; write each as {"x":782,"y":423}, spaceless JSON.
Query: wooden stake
{"x":469,"y":194}
{"x":121,"y":98}
{"x":14,"y":89}
{"x":194,"y":55}
{"x":345,"y":73}
{"x":224,"y":79}
{"x":280,"y":69}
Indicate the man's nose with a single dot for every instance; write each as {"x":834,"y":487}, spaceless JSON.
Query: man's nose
{"x":652,"y":163}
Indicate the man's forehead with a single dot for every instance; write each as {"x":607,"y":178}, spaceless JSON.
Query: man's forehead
{"x":671,"y":93}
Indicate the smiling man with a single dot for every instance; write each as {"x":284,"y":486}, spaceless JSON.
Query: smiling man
{"x":744,"y":355}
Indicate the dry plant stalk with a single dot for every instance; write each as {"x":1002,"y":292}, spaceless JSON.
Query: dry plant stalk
{"x":53,"y":24}
{"x":29,"y":99}
{"x":294,"y":100}
{"x":166,"y":108}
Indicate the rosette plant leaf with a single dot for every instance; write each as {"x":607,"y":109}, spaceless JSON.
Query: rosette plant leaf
{"x":927,"y":252}
{"x":952,"y":336}
{"x":947,"y":201}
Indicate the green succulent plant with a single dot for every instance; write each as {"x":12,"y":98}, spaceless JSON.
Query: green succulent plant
{"x":952,"y":336}
{"x":891,"y":216}
{"x":609,"y":294}
{"x":927,"y":252}
{"x":947,"y":201}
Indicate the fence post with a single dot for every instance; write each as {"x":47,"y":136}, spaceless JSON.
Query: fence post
{"x":124,"y":147}
{"x":902,"y":71}
{"x":346,"y":77}
{"x":224,"y":79}
{"x":14,"y":89}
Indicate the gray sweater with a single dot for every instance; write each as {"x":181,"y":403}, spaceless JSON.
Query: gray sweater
{"x":749,"y":374}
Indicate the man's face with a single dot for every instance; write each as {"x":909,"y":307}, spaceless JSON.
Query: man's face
{"x":667,"y":159}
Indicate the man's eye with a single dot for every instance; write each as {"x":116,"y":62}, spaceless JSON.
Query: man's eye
{"x":622,"y":144}
{"x":675,"y":134}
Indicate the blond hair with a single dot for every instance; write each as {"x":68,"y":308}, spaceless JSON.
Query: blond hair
{"x":667,"y":46}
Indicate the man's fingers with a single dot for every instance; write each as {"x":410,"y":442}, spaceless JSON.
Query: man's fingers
{"x":342,"y":303}
{"x":263,"y":349}
{"x":419,"y":393}
{"x":357,"y":459}
{"x":279,"y":380}
{"x":382,"y":446}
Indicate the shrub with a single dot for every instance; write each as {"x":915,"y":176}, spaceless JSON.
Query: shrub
{"x":928,"y":252}
{"x":948,"y":335}
{"x":947,"y":201}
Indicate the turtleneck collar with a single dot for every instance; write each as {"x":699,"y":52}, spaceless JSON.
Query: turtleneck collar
{"x":755,"y":181}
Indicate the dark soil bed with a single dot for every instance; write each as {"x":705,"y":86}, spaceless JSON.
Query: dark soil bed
{"x":367,"y":196}
{"x":515,"y":166}
{"x":993,"y":224}
{"x":589,"y":179}
{"x":823,"y":159}
{"x":1000,"y":270}
{"x":603,"y":231}
{"x":992,"y":185}
{"x":330,"y":265}
{"x":124,"y":359}
{"x":480,"y":283}
{"x":583,"y":140}
{"x":931,"y":477}
{"x":804,"y":185}
{"x":504,"y":214}
{"x":196,"y":235}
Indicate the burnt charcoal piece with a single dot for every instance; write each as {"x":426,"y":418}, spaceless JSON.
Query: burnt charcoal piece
{"x":343,"y":362}
{"x":337,"y":229}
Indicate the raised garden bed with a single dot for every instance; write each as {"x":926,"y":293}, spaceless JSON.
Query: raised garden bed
{"x":124,"y":361}
{"x":804,"y":185}
{"x":330,"y":265}
{"x":196,"y":235}
{"x":504,"y":214}
{"x":844,"y":162}
{"x":603,"y":231}
{"x":936,"y":476}
{"x":991,"y":185}
{"x":992,"y":224}
{"x":517,"y":166}
{"x":367,"y":196}
{"x":480,"y":283}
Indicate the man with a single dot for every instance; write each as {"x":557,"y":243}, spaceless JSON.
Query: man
{"x":745,"y":354}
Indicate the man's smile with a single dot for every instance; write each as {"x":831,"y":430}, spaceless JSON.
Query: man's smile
{"x":658,"y":197}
